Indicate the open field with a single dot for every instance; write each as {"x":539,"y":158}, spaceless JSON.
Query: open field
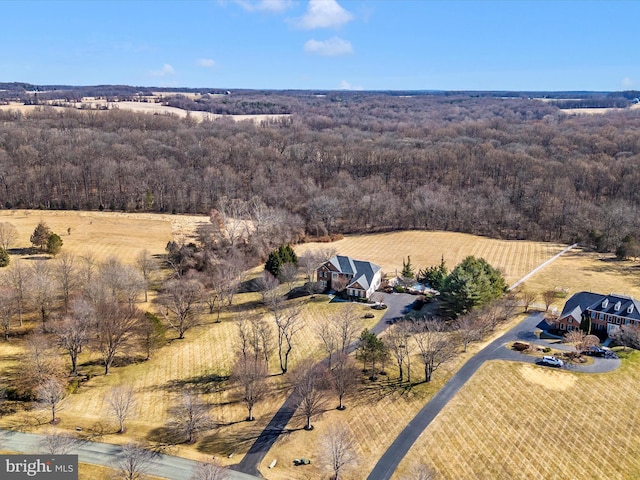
{"x":522,"y":421}
{"x":150,"y":108}
{"x":580,"y":270}
{"x":513,"y":258}
{"x":104,"y":234}
{"x":596,"y":111}
{"x":375,"y":417}
{"x":203,"y":359}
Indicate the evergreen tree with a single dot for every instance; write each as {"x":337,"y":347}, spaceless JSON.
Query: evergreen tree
{"x":472,"y":283}
{"x":40,"y":235}
{"x":585,"y":323}
{"x":434,"y":276}
{"x":4,"y":257}
{"x":54,"y":244}
{"x":407,"y":269}
{"x":277,"y":258}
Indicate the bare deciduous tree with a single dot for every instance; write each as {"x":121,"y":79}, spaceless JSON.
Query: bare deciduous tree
{"x":65,"y":273}
{"x":338,"y":449}
{"x":397,"y":342}
{"x":180,"y":303}
{"x":223,"y":281}
{"x":311,"y":395}
{"x":548,"y":296}
{"x":268,"y":287}
{"x":50,"y":393}
{"x":344,"y":377}
{"x":288,"y":274}
{"x":420,"y":471}
{"x":209,"y":471}
{"x":469,"y":328}
{"x":57,"y":443}
{"x":115,"y":325}
{"x":7,"y":310}
{"x":288,"y":323}
{"x":528,"y":297}
{"x":435,"y":345}
{"x":250,"y":373}
{"x":73,"y":331}
{"x":121,"y":401}
{"x":18,"y":277}
{"x":255,"y":338}
{"x":134,"y":461}
{"x":8,"y":235}
{"x":189,"y":417}
{"x":147,"y":265}
{"x":41,"y":289}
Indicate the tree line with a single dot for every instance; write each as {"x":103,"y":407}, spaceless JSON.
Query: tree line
{"x":508,"y":168}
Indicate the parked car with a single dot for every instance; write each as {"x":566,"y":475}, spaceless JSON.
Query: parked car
{"x":551,"y":361}
{"x":595,"y":351}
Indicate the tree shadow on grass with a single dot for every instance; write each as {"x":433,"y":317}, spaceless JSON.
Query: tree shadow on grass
{"x":207,"y":383}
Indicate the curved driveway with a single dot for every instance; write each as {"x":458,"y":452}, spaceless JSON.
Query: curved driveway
{"x":397,"y":304}
{"x":524,"y":331}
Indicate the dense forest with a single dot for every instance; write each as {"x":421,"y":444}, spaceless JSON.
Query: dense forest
{"x":344,"y":162}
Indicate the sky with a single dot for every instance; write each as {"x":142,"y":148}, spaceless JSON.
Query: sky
{"x":541,"y":45}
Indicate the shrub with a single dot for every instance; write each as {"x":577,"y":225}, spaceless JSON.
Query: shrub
{"x":399,"y":289}
{"x":4,"y":258}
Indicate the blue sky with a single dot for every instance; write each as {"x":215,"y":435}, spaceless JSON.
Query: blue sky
{"x":324,"y":44}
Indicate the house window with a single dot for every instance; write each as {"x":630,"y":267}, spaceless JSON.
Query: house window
{"x":570,"y":319}
{"x":562,"y":326}
{"x":618,"y":321}
{"x":593,"y":315}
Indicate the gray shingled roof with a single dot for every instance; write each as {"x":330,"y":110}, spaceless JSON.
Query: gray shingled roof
{"x":594,"y":301}
{"x":362,"y":271}
{"x":578,"y":302}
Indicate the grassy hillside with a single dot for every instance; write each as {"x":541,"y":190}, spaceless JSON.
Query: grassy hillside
{"x":379,"y":412}
{"x":514,"y":420}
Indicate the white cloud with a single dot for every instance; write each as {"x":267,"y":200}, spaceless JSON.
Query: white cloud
{"x":323,"y":14}
{"x":627,"y":83}
{"x":329,"y":48}
{"x":274,"y":6}
{"x":206,"y":62}
{"x":344,"y":85}
{"x":164,"y":71}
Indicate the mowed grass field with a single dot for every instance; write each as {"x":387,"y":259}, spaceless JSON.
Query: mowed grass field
{"x":520,"y":421}
{"x":203,"y":359}
{"x":103,"y":234}
{"x":514,"y":258}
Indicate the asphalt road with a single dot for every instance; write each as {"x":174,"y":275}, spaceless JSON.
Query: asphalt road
{"x":524,"y":331}
{"x":160,"y":465}
{"x":397,"y":304}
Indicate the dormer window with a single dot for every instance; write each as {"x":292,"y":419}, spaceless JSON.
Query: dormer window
{"x":605,"y":303}
{"x":630,"y":309}
{"x":617,"y":306}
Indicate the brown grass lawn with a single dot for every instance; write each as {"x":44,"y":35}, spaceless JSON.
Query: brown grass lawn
{"x":513,"y":258}
{"x":580,"y":270}
{"x":203,"y":359}
{"x":523,"y":421}
{"x":104,"y":234}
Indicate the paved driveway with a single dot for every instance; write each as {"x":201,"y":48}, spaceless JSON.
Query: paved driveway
{"x":524,"y":331}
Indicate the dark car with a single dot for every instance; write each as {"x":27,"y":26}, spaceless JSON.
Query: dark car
{"x":595,"y":351}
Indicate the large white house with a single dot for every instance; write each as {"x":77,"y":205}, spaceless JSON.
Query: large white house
{"x":362,"y":278}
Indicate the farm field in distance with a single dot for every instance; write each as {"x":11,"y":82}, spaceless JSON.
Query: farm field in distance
{"x":203,"y":358}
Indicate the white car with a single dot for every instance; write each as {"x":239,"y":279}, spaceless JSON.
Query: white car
{"x":552,"y":361}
